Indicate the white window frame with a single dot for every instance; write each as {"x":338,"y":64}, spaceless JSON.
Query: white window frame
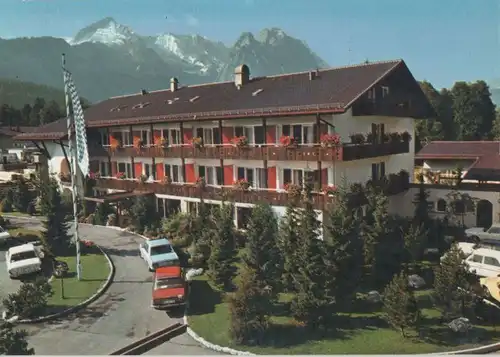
{"x":144,"y":169}
{"x":148,"y":136}
{"x":372,"y":94}
{"x":295,"y":178}
{"x":128,"y":169}
{"x":171,"y":134}
{"x":210,"y":174}
{"x":105,"y":138}
{"x":125,"y":137}
{"x":310,"y":134}
{"x":170,"y":172}
{"x":107,"y":170}
{"x":385,"y":91}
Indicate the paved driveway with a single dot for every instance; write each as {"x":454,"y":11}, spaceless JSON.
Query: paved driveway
{"x":120,"y":316}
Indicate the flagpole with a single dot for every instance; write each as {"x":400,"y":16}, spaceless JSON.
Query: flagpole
{"x":72,"y":151}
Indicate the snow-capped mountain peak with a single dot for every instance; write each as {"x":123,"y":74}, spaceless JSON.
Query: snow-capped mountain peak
{"x":106,"y":31}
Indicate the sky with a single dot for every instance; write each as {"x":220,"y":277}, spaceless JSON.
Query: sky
{"x":442,"y":41}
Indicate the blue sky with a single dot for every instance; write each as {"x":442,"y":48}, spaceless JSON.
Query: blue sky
{"x":441,"y":40}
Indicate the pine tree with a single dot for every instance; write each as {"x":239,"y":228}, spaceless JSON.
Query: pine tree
{"x":453,"y":286}
{"x":344,"y":246}
{"x":220,"y":263}
{"x":262,"y":253}
{"x":13,"y":342}
{"x":145,"y":215}
{"x":400,"y":306}
{"x":313,"y":301}
{"x":421,"y":203}
{"x":288,"y":237}
{"x":249,"y":308}
{"x":101,"y":214}
{"x":414,"y":237}
{"x":22,"y":196}
{"x":55,"y":236}
{"x":8,"y":201}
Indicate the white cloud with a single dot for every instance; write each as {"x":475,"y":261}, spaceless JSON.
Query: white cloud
{"x":192,"y":21}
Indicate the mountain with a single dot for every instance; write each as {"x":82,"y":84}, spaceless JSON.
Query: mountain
{"x":16,"y":93}
{"x":109,"y":59}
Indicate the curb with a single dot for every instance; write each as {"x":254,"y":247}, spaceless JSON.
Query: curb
{"x":81,"y":305}
{"x":189,"y":275}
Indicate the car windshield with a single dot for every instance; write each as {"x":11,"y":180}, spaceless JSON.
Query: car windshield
{"x":161,"y":249}
{"x":169,"y":283}
{"x":22,"y":256}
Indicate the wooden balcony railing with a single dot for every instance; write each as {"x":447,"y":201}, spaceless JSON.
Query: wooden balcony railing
{"x":346,"y":152}
{"x":394,"y":184}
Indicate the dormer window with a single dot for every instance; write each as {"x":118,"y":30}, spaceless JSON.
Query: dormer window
{"x":141,"y":105}
{"x":371,"y":94}
{"x":385,"y":91}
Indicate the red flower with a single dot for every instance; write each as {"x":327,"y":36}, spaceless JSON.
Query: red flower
{"x":287,"y":140}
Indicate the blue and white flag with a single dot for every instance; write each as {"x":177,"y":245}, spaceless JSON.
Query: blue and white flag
{"x":82,"y":153}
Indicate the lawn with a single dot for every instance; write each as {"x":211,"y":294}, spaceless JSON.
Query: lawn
{"x":25,"y":234}
{"x":95,"y":271}
{"x":361,"y":332}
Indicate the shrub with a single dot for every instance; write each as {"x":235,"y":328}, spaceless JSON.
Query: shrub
{"x":31,"y":209}
{"x":30,"y":300}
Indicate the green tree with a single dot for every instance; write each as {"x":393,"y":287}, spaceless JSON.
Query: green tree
{"x":342,"y":233}
{"x":249,"y":308}
{"x":101,"y":214}
{"x":8,"y":201}
{"x":30,"y":300}
{"x":261,"y":253}
{"x":400,"y":306}
{"x":220,"y":263}
{"x":496,"y":126}
{"x":453,"y":291}
{"x":421,"y":201}
{"x":55,"y":237}
{"x":288,"y":244}
{"x":313,"y":302}
{"x":144,"y":213}
{"x":457,"y":206}
{"x":22,"y":196}
{"x":414,"y":237}
{"x":13,"y":342}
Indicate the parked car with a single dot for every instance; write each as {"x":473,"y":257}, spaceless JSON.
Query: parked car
{"x":169,"y":288}
{"x":158,"y":253}
{"x":479,"y":234}
{"x":484,"y":262}
{"x":23,"y":259}
{"x":4,"y":235}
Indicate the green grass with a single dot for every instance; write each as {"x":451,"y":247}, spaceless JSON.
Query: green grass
{"x":95,"y":271}
{"x":363,"y":332}
{"x":27,"y":235}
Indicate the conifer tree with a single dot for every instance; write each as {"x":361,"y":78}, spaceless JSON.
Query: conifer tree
{"x":453,"y":286}
{"x":55,"y":237}
{"x":12,"y":341}
{"x":220,"y":263}
{"x":144,"y":214}
{"x":288,"y":244}
{"x":313,"y":301}
{"x":344,"y":246}
{"x":8,"y":201}
{"x":22,"y":195}
{"x":262,"y":253}
{"x":400,"y":306}
{"x":101,"y":214}
{"x":249,"y":308}
{"x":414,"y":237}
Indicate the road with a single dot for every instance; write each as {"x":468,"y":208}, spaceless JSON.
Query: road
{"x":121,"y":316}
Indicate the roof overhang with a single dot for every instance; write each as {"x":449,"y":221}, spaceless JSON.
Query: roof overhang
{"x":117,"y":197}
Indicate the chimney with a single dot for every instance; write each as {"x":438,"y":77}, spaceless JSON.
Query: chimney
{"x":144,"y":92}
{"x":174,"y":84}
{"x":241,"y":75}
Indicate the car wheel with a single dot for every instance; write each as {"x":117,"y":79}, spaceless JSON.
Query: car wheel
{"x":475,"y":239}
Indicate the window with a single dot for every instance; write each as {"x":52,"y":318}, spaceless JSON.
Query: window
{"x":247,"y":131}
{"x":211,"y":174}
{"x":104,"y":138}
{"x":210,"y":136}
{"x":303,"y":134}
{"x":295,"y":177}
{"x":259,"y":135}
{"x":371,"y":95}
{"x":491,"y":261}
{"x":125,"y":136}
{"x":385,"y":91}
{"x":378,"y":132}
{"x":441,"y":205}
{"x":174,"y":172}
{"x":255,"y":176}
{"x":378,"y":171}
{"x":145,"y":137}
{"x":147,"y":170}
{"x":126,"y":168}
{"x":104,"y":169}
{"x":173,"y":136}
{"x":494,"y":230}
{"x":476,"y":258}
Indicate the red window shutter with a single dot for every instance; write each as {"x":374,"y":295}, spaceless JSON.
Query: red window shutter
{"x":190,"y":175}
{"x":137,"y":169}
{"x":228,"y":175}
{"x":271,"y":178}
{"x":271,"y":134}
{"x":227,"y":135}
{"x":160,"y":171}
{"x":157,"y":137}
{"x":188,"y":135}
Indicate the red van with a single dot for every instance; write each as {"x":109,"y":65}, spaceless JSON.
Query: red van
{"x":169,"y":288}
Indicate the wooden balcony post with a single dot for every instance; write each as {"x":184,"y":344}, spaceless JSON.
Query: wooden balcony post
{"x":131,"y":139}
{"x":109,"y":155}
{"x":221,"y":162}
{"x":317,"y":136}
{"x":151,"y":143}
{"x":183,"y":162}
{"x":264,"y":127}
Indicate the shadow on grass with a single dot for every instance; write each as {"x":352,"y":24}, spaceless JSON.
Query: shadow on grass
{"x":204,"y":298}
{"x":443,"y":336}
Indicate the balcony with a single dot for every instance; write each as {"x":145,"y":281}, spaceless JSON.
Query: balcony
{"x":344,"y":152}
{"x":393,"y":184}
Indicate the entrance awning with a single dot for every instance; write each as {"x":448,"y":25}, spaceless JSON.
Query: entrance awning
{"x":117,"y":196}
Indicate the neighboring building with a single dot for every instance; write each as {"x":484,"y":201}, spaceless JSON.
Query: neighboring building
{"x":477,"y":163}
{"x":371,"y":107}
{"x":8,"y":133}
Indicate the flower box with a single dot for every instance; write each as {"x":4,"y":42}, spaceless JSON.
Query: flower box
{"x":293,"y":189}
{"x":166,"y":180}
{"x":143,"y":178}
{"x":120,"y":175}
{"x":329,"y":189}
{"x":162,"y":144}
{"x":200,"y":182}
{"x":240,"y":141}
{"x":241,"y":184}
{"x":330,"y":140}
{"x":197,"y":142}
{"x":287,"y":141}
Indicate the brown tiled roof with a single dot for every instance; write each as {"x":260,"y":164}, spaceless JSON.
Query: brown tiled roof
{"x":486,"y":156}
{"x":15,"y":130}
{"x":332,"y":90}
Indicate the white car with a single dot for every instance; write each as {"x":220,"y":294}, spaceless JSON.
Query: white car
{"x":23,"y":259}
{"x":4,"y":235}
{"x":158,"y":253}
